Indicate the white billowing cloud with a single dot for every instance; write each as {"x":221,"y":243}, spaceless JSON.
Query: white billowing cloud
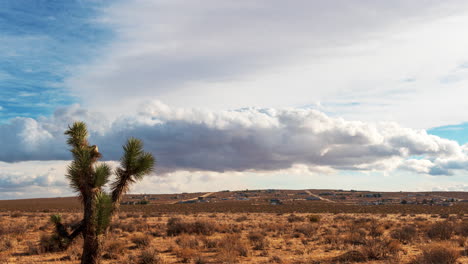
{"x":251,"y":139}
{"x":42,"y":139}
{"x":33,"y":179}
{"x":419,"y":166}
{"x":368,"y":60}
{"x":453,"y":188}
{"x":298,"y":176}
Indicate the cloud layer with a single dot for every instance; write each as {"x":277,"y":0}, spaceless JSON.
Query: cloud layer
{"x":390,"y":58}
{"x":248,"y":139}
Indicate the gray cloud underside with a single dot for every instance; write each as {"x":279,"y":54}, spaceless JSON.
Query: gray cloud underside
{"x":240,"y":140}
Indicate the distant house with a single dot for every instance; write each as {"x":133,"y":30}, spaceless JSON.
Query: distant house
{"x":373,"y":195}
{"x":128,"y":203}
{"x":188,"y":202}
{"x":275,"y":202}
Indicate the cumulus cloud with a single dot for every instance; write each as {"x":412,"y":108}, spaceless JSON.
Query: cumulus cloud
{"x":33,"y":179}
{"x":250,"y":139}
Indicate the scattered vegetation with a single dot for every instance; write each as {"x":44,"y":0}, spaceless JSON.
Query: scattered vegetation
{"x":202,"y":238}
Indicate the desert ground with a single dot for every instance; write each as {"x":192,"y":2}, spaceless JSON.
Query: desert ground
{"x":243,"y":232}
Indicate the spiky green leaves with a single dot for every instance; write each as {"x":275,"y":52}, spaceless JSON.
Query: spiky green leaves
{"x":103,"y":212}
{"x":101,"y":175}
{"x":135,"y":161}
{"x":134,"y":165}
{"x":56,"y":219}
{"x":77,"y":135}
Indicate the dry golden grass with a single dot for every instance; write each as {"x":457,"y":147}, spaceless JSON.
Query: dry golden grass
{"x":247,"y":238}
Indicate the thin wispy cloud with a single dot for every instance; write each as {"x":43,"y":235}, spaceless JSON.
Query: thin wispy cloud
{"x":40,"y":42}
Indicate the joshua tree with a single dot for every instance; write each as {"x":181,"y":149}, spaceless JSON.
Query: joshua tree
{"x":88,"y":178}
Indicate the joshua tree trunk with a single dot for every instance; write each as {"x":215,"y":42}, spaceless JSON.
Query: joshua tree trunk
{"x":91,"y":249}
{"x":91,"y":244}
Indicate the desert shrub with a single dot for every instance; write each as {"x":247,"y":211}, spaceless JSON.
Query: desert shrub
{"x":7,"y":242}
{"x":342,"y":217}
{"x":306,"y":229}
{"x":141,"y":240}
{"x":420,"y":218}
{"x":362,"y":220}
{"x":258,"y":240}
{"x":295,"y":218}
{"x":333,"y":239}
{"x":186,"y":254}
{"x":150,"y":256}
{"x":202,"y":228}
{"x":133,"y":215}
{"x":376,"y":249}
{"x":175,"y":226}
{"x":52,"y":243}
{"x":75,"y":249}
{"x":113,"y":249}
{"x":16,"y":215}
{"x":405,"y":234}
{"x":375,"y":229}
{"x":357,"y":237}
{"x":440,"y":230}
{"x":242,"y":218}
{"x":12,"y":229}
{"x":233,"y":245}
{"x":227,"y":257}
{"x":462,"y":229}
{"x":209,"y":243}
{"x":314,"y":218}
{"x":126,"y":227}
{"x":200,"y":260}
{"x":141,"y":225}
{"x":275,"y":259}
{"x":137,"y":225}
{"x":187,"y":241}
{"x":350,"y":256}
{"x":438,"y":254}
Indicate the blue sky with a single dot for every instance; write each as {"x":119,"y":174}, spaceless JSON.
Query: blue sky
{"x":332,"y":94}
{"x":40,"y":42}
{"x":457,"y":132}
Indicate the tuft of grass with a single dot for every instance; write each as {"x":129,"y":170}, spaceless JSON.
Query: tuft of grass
{"x":295,"y":218}
{"x":114,"y":249}
{"x":314,"y":218}
{"x":258,"y":240}
{"x":441,"y":253}
{"x":175,"y":227}
{"x":141,"y":240}
{"x":440,"y":230}
{"x":150,"y":256}
{"x":405,"y":234}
